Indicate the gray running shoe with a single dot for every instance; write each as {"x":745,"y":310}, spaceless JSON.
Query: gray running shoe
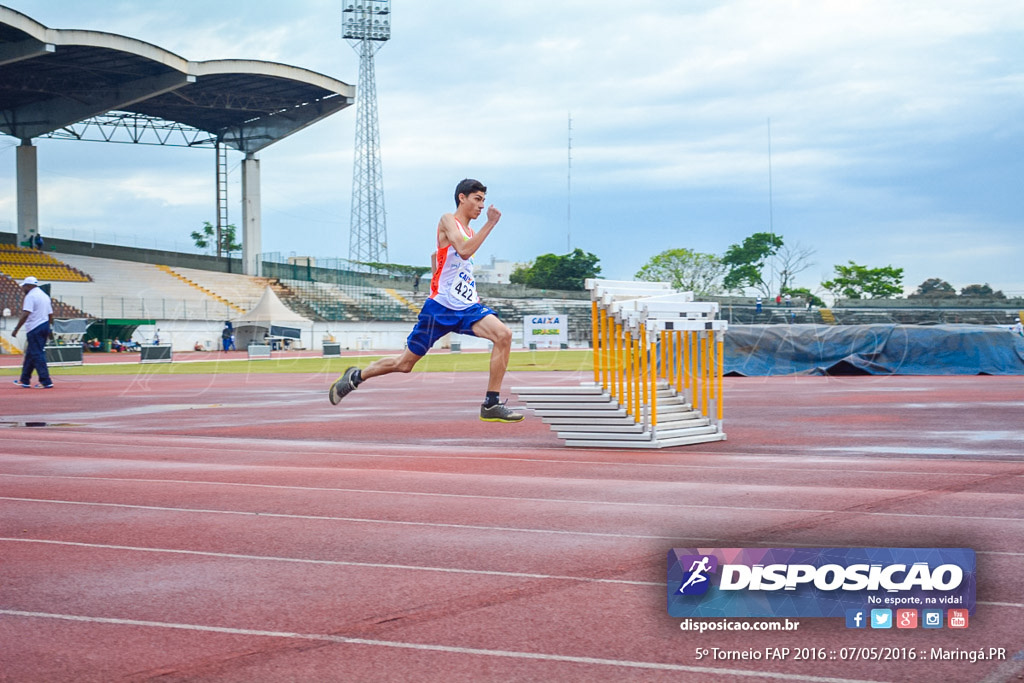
{"x":343,"y":387}
{"x":499,"y":412}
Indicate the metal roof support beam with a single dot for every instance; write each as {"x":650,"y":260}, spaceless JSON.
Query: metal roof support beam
{"x":47,"y":116}
{"x":252,"y":137}
{"x":252,"y":243}
{"x":26,"y":49}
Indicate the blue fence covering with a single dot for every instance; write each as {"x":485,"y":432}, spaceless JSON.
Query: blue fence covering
{"x":759,"y":350}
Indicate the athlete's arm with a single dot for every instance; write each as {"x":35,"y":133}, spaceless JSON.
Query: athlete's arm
{"x":448,"y":233}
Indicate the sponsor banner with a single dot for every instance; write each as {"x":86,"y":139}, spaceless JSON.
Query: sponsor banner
{"x":545,"y":330}
{"x":817,"y":582}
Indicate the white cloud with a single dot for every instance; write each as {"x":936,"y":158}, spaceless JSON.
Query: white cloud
{"x":888,"y":118}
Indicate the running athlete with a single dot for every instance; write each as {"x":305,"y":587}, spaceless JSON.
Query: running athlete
{"x":453,"y":306}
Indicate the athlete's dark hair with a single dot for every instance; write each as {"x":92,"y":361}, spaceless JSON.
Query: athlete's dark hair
{"x":468,"y":186}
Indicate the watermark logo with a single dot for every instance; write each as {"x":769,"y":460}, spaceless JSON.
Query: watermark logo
{"x":906,"y":618}
{"x":822,"y":582}
{"x":881,"y":618}
{"x":696,"y":579}
{"x":957,"y":618}
{"x":931,"y":618}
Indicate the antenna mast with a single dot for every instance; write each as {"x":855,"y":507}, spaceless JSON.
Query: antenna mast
{"x":568,"y":195}
{"x":366,"y":25}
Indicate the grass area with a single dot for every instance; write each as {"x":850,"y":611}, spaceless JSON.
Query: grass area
{"x":520,"y":361}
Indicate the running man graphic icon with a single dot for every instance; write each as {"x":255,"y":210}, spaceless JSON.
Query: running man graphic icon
{"x":696,"y":582}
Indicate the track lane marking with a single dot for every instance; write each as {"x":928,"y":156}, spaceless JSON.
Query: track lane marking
{"x":327,"y":448}
{"x":565,"y":501}
{"x":343,"y":519}
{"x":430,"y":647}
{"x":470,"y":496}
{"x":334,"y":563}
{"x":377,"y":565}
{"x":365,"y":520}
{"x":713,"y":468}
{"x":737,"y":508}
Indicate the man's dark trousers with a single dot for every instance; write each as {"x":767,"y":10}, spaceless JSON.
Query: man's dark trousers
{"x":35,"y":356}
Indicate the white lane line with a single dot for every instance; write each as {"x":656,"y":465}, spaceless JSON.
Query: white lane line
{"x":360,"y":520}
{"x":471,"y":496}
{"x":537,"y":656}
{"x":333,"y":563}
{"x":564,"y":501}
{"x":999,"y":604}
{"x":331,"y":449}
{"x":372,"y":565}
{"x":736,"y":508}
{"x":998,"y":552}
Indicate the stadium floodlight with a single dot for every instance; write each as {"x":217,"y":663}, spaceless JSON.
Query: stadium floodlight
{"x":366,"y":25}
{"x":366,"y":20}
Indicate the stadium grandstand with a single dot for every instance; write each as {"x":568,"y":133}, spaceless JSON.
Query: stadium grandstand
{"x":188,"y":297}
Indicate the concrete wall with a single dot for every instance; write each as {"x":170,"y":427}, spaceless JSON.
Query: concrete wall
{"x":139,"y":254}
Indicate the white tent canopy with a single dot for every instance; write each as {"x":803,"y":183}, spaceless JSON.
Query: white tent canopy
{"x":268,"y":316}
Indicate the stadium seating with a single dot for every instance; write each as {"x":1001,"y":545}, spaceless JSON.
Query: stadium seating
{"x":11,"y":298}
{"x":19,"y":263}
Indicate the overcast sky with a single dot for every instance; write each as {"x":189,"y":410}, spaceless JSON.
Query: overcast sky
{"x":896,"y":130}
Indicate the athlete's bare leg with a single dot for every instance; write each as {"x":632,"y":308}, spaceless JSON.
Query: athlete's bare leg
{"x":498,"y":333}
{"x":403,"y":362}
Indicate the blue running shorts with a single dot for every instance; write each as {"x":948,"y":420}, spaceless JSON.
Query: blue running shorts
{"x":435,"y":321}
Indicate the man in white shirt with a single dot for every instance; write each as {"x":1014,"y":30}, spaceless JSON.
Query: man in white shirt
{"x":37,"y":319}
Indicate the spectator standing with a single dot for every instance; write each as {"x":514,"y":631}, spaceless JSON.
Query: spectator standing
{"x":227,"y":336}
{"x":37,"y":319}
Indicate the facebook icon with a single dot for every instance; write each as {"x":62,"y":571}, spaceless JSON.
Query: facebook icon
{"x":856,"y":618}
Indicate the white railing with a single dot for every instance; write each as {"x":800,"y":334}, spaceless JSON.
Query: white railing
{"x":150,"y":309}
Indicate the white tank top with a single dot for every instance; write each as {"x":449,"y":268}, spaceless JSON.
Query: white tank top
{"x":452,"y":284}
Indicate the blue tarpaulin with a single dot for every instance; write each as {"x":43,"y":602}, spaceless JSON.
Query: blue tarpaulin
{"x":759,"y":350}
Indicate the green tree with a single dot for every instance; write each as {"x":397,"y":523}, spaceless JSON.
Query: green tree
{"x":686,"y":270}
{"x":860,"y":282}
{"x":207,"y":238}
{"x":790,"y":261}
{"x":933,"y":288}
{"x":805,"y":294}
{"x":746,"y":262}
{"x":981,"y":292}
{"x":549,"y":271}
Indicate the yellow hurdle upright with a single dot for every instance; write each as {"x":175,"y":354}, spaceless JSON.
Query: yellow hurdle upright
{"x":657,"y":372}
{"x":595,"y":341}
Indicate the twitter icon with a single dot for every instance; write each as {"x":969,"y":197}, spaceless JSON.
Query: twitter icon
{"x":881,"y":618}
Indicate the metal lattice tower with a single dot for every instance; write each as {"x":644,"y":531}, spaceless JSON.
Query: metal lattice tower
{"x":366,"y":25}
{"x":222,"y":196}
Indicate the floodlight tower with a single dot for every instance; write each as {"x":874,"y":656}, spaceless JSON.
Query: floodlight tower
{"x":366,"y":25}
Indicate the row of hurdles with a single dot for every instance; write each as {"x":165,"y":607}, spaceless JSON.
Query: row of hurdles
{"x":658,"y":357}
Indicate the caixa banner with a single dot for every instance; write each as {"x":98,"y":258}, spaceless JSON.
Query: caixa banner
{"x":816,"y":582}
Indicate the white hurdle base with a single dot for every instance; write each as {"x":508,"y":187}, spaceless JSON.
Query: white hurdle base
{"x":586,"y":416}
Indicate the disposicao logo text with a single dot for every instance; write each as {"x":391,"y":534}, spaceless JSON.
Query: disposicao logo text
{"x":808,"y":582}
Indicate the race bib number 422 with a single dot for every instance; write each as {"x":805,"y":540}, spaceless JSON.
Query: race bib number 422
{"x":464,"y":287}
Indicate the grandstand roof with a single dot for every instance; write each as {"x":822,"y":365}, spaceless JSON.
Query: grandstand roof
{"x":52,"y":78}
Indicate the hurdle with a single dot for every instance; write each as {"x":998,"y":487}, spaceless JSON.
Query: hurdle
{"x":657,"y":375}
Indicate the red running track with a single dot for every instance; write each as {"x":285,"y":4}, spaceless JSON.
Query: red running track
{"x":240,"y":528}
